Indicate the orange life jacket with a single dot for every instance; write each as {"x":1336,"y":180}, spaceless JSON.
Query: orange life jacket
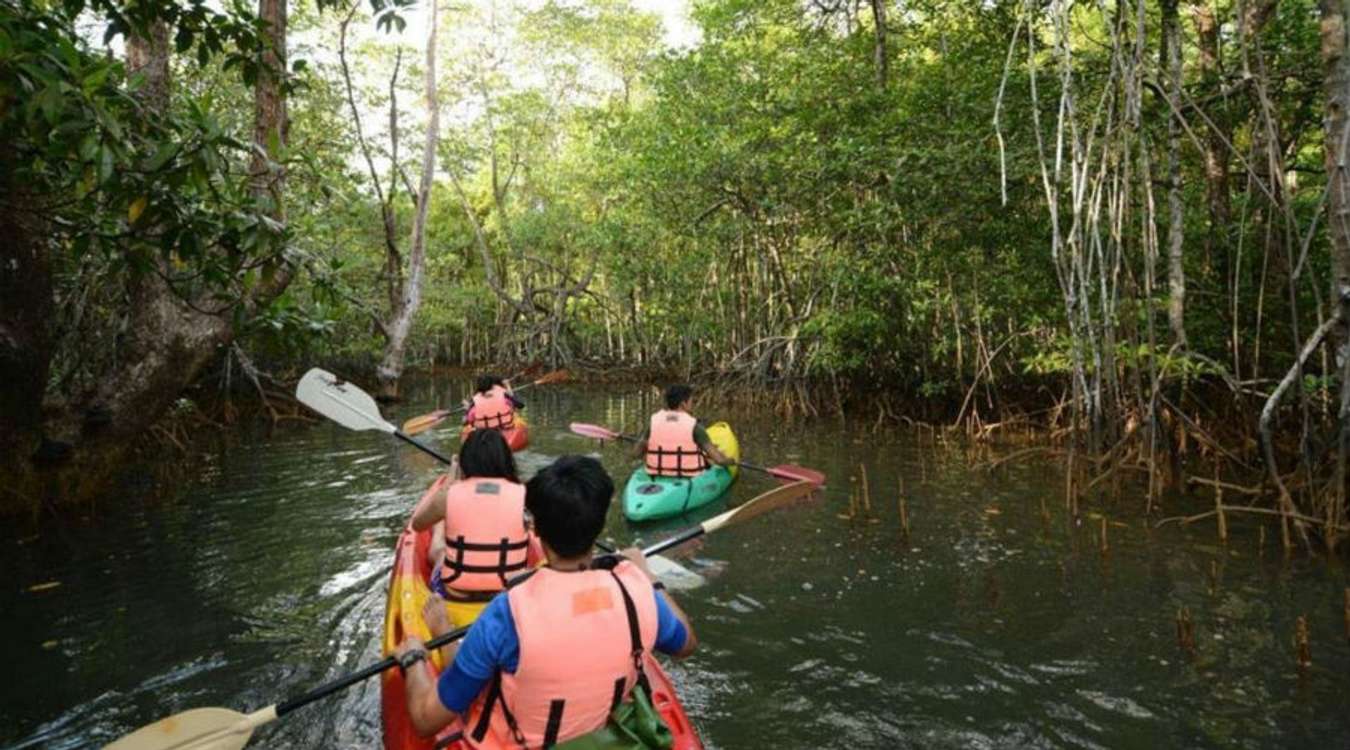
{"x":485,"y":537}
{"x":582,"y":635}
{"x":671,"y":450}
{"x":493,"y":409}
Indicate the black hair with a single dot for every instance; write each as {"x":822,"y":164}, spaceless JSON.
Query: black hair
{"x":677,"y":394}
{"x":486,"y":454}
{"x":485,"y":383}
{"x":569,"y":500}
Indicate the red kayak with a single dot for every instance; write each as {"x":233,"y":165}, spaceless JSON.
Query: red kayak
{"x":517,"y":435}
{"x":408,"y":592}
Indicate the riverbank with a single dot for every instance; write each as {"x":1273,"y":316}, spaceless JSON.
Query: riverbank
{"x":1207,"y":445}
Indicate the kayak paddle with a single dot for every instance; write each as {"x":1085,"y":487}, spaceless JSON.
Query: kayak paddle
{"x":224,"y":729}
{"x":431,"y":419}
{"x":785,"y":472}
{"x":351,"y":407}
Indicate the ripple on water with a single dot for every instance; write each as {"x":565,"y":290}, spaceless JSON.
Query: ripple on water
{"x":1117,"y":704}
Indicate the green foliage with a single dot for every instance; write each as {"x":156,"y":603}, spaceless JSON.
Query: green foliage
{"x":759,"y":202}
{"x":121,"y":184}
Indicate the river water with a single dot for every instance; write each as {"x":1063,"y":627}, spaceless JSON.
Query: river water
{"x":991,"y":626}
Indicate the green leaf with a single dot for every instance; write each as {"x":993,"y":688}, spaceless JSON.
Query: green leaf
{"x":163,"y":154}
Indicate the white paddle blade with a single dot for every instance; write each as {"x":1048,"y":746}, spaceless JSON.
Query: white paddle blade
{"x":340,"y":401}
{"x":674,"y":575}
{"x":197,"y":729}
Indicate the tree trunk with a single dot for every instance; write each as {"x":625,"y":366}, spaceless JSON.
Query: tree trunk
{"x":391,"y":365}
{"x":1336,"y":66}
{"x":25,"y":336}
{"x":167,"y":340}
{"x":149,"y":57}
{"x":270,"y":123}
{"x":879,"y":55}
{"x":1176,"y":229}
{"x":1216,"y":142}
{"x":1266,"y":158}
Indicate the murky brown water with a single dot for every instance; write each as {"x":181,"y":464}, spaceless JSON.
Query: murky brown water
{"x":989,"y":627}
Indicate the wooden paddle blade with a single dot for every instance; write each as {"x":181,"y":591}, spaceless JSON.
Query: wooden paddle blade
{"x":793,"y":473}
{"x":425,"y":422}
{"x":557,"y":376}
{"x":594,"y":431}
{"x":340,"y":401}
{"x":779,"y":497}
{"x":197,"y":729}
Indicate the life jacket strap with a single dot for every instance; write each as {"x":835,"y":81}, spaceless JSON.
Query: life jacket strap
{"x":502,"y":420}
{"x":664,"y":469}
{"x":457,"y":567}
{"x":505,"y":544}
{"x":494,"y":696}
{"x":634,"y":632}
{"x":555,"y":714}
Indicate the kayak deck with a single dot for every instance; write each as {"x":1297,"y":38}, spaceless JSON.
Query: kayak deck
{"x":408,"y":593}
{"x":647,"y":498}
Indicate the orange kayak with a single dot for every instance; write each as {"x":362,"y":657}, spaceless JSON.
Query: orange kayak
{"x":408,"y":592}
{"x":517,"y":435}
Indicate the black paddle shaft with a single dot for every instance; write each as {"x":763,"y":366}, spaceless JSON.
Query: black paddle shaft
{"x":418,"y":444}
{"x":342,"y":683}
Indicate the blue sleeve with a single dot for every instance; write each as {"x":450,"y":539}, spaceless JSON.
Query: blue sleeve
{"x":491,"y":643}
{"x":670,"y":632}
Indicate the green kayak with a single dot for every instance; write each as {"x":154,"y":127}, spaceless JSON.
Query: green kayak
{"x":647,"y":498}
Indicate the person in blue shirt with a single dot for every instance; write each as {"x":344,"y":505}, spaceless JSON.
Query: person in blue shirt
{"x":548,"y":658}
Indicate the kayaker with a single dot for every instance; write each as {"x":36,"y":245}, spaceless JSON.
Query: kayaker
{"x":551,"y":657}
{"x":493,"y":404}
{"x":675,"y":444}
{"x":486,"y":537}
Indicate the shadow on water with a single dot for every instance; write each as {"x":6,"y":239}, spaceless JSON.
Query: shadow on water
{"x":988,"y":626}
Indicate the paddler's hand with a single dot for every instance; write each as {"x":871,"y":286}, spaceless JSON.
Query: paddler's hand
{"x":410,"y":652}
{"x":409,"y":645}
{"x":636,"y":557}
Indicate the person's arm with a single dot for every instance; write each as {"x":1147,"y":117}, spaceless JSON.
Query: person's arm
{"x":674,"y":633}
{"x":432,"y":512}
{"x":710,"y":448}
{"x":425,"y":709}
{"x":491,"y":646}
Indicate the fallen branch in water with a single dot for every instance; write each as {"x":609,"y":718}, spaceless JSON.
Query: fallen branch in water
{"x":1246,"y":509}
{"x":1227,"y":486}
{"x":992,"y":465}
